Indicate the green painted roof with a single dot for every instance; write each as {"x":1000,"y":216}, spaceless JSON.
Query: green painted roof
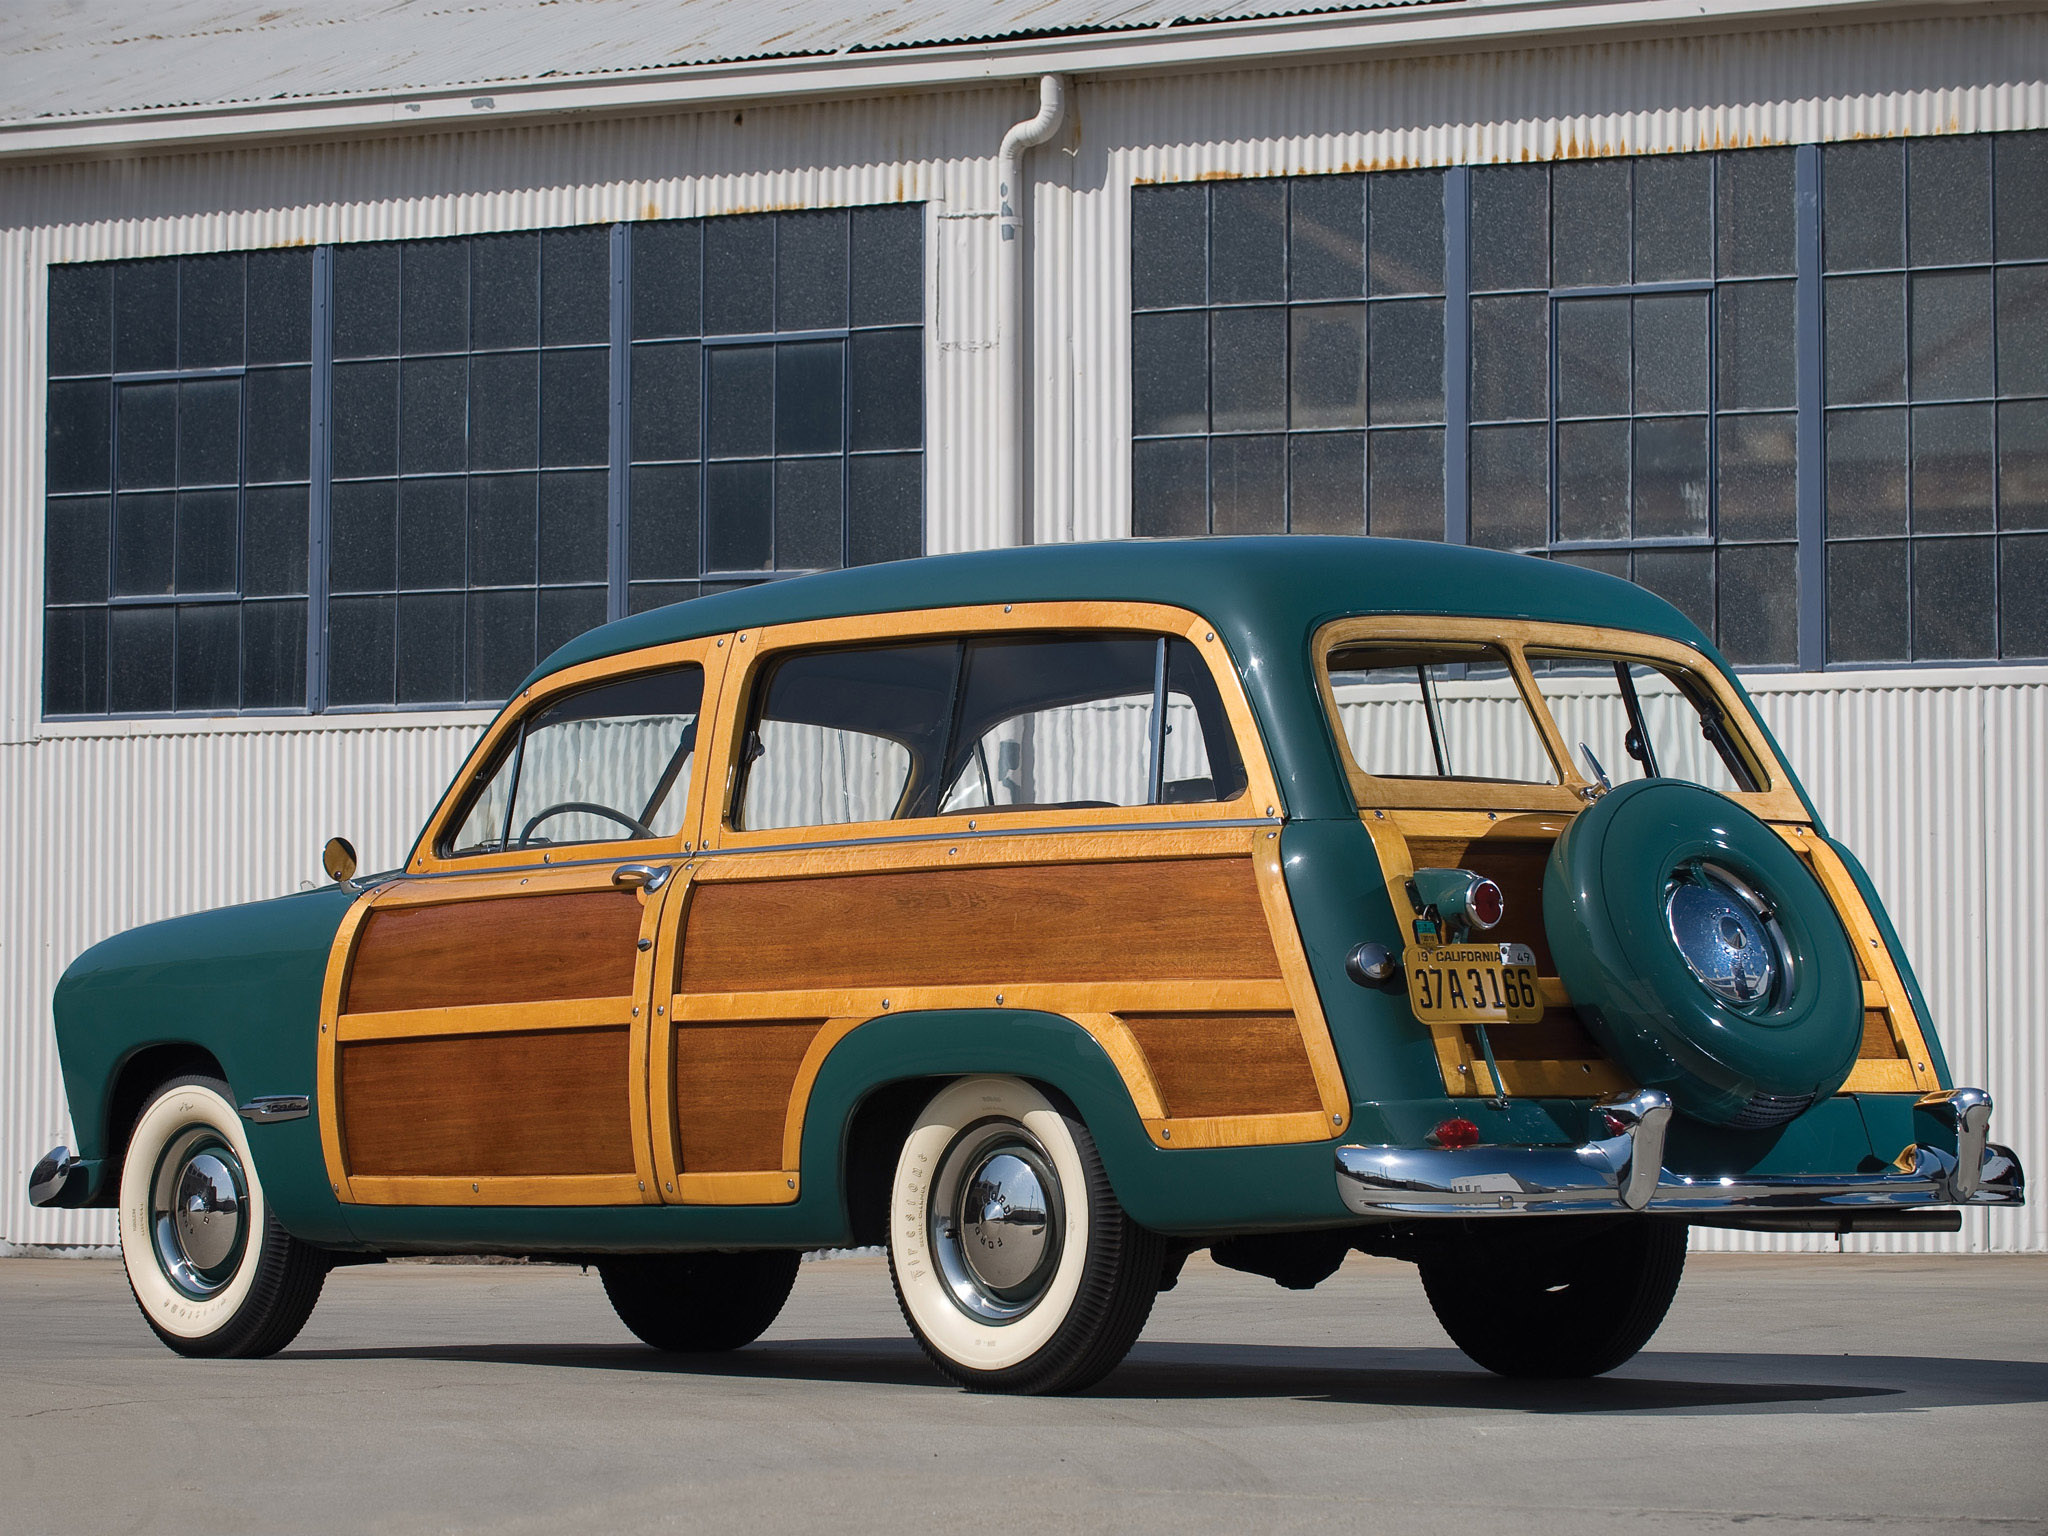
{"x":1260,"y":592}
{"x":1266,"y":597}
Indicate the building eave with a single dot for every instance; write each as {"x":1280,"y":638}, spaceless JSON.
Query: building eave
{"x":1477,"y":24}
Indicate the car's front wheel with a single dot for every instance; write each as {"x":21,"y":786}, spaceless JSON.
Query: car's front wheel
{"x":1573,"y":1297}
{"x":1014,"y":1264}
{"x":211,"y":1268}
{"x":699,"y":1303}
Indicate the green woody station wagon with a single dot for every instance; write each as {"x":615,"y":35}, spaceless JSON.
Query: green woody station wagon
{"x":1049,"y":915}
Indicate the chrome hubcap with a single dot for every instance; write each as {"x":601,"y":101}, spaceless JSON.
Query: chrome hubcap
{"x":1727,"y":934}
{"x":199,"y":1212}
{"x":994,"y":1221}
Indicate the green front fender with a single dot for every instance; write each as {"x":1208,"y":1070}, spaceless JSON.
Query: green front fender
{"x":1191,"y":1192}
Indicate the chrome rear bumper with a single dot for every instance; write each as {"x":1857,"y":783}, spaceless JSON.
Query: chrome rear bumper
{"x":1625,"y":1172}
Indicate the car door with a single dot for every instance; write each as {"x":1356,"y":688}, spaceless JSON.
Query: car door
{"x":485,"y":1024}
{"x":984,"y":808}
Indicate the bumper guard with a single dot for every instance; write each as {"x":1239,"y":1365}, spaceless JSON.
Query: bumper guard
{"x":1624,"y":1171}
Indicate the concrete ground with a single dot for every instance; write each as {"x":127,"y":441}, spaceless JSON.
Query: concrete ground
{"x":1813,"y":1394}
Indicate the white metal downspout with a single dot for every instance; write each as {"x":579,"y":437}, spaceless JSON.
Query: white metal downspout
{"x":1014,"y":197}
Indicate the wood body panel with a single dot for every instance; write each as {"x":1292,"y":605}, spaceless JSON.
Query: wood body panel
{"x":732,"y":1092}
{"x":1168,"y":919}
{"x":530,"y":1104}
{"x":1560,"y":1035}
{"x":520,"y":948}
{"x":1227,"y":1063}
{"x":1878,"y":1044}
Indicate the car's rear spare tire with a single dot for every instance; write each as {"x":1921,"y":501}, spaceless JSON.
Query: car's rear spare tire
{"x":1702,"y":954}
{"x":699,"y":1303}
{"x":1563,"y":1298}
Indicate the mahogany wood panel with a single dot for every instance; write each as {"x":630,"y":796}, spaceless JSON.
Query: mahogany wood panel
{"x":1227,"y":1063}
{"x":467,"y":1106}
{"x":1559,"y":1035}
{"x":1163,"y":920}
{"x":503,"y":949}
{"x":1878,"y":1044}
{"x":1516,"y":866}
{"x":732,"y":1092}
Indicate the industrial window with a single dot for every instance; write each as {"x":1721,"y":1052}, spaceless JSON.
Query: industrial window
{"x":397,"y":474}
{"x":778,"y":396}
{"x":1287,"y":354}
{"x":1936,"y":386}
{"x":1799,"y":392}
{"x":175,"y":559}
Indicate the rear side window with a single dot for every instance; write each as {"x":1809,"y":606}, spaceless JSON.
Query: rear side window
{"x":1443,"y":711}
{"x":1598,"y":702}
{"x":1033,"y":722}
{"x":606,"y":764}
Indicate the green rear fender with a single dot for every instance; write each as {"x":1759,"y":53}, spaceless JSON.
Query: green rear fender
{"x":1185,"y":1190}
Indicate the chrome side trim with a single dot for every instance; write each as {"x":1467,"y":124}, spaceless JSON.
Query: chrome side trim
{"x":1622,"y":1172}
{"x":50,"y":1180}
{"x":276,"y":1106}
{"x":689,"y":854}
{"x":1006,"y":831}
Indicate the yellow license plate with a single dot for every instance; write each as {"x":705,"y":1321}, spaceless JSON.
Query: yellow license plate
{"x":1473,"y":984}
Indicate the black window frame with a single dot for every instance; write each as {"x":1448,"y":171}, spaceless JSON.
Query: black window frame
{"x":881,"y":513}
{"x":1758,"y":632}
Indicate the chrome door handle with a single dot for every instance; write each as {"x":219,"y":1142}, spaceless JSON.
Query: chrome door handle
{"x":647,"y":877}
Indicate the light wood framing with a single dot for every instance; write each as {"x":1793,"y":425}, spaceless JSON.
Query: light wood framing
{"x":753,"y":649}
{"x":710,"y":653}
{"x":1776,"y":801}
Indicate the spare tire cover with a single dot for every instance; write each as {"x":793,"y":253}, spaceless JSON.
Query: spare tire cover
{"x":1702,"y":954}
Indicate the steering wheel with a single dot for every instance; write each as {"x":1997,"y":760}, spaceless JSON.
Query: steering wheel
{"x":638,"y":828}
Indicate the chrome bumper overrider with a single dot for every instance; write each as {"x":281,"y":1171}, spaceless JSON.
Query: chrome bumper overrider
{"x":59,"y":1179}
{"x":1624,"y":1171}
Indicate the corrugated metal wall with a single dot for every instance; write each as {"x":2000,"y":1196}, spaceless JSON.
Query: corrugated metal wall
{"x":1935,"y":779}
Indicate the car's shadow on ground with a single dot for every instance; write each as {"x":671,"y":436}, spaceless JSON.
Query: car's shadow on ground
{"x":1656,"y":1381}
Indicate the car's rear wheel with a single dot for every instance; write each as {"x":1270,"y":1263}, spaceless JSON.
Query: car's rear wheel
{"x":1014,"y":1264}
{"x":699,"y":1303}
{"x":1564,"y":1299}
{"x":212,"y":1270}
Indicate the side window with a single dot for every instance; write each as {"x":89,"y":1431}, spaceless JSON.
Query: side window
{"x":1027,"y":723}
{"x":845,"y":736}
{"x":607,"y":764}
{"x":1071,"y":722}
{"x":1418,"y":711}
{"x":1597,"y":701}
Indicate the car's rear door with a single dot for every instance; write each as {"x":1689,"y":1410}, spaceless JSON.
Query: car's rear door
{"x":983,"y":809}
{"x":485,"y":1024}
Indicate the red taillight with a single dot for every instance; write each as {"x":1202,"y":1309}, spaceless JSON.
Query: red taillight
{"x":1456,"y":1133}
{"x":1485,"y":905}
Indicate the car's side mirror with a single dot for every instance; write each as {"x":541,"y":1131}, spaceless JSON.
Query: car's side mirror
{"x":338,"y":858}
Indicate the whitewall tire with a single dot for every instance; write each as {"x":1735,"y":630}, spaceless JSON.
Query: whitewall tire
{"x":212,"y":1270}
{"x":1014,"y":1264}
